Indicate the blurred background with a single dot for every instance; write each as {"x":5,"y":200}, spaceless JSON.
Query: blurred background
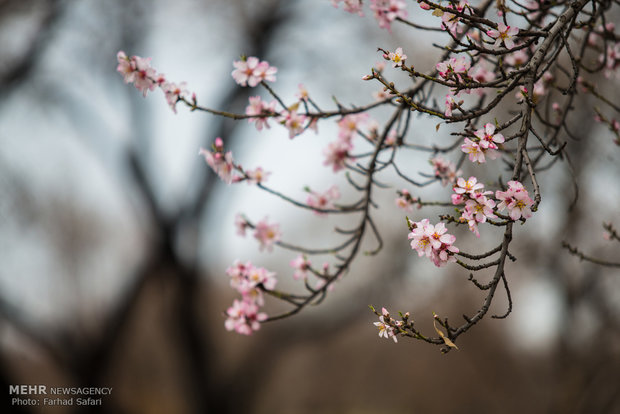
{"x":115,"y":235}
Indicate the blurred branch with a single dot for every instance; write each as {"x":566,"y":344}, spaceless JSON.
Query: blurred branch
{"x":21,"y":70}
{"x":576,"y":252}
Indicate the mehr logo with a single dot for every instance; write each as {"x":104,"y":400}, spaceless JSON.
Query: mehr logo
{"x":28,"y":389}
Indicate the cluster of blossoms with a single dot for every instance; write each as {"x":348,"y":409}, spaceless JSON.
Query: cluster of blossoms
{"x":450,"y":21}
{"x":243,"y":316}
{"x":387,"y":325}
{"x":483,"y":145}
{"x":478,"y":208}
{"x":337,"y":152}
{"x":252,"y":71}
{"x":351,"y":6}
{"x":516,"y":199}
{"x":455,"y":68}
{"x":385,"y":11}
{"x":260,"y":111}
{"x":223,"y":165}
{"x":138,"y":70}
{"x":459,"y":70}
{"x":433,"y":241}
{"x":302,"y":266}
{"x":220,"y":162}
{"x":444,"y":170}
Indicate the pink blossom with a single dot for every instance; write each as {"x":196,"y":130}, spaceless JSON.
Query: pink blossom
{"x":243,"y":317}
{"x":481,"y":74}
{"x":126,"y":67}
{"x":257,"y":108}
{"x":433,"y":241}
{"x":437,"y":235}
{"x":264,"y":72}
{"x":477,"y":210}
{"x":397,"y":57}
{"x":144,"y":75}
{"x":457,"y":199}
{"x":516,"y":199}
{"x":349,"y":124}
{"x":532,"y":8}
{"x":301,"y":265}
{"x":450,"y":21}
{"x":444,"y":254}
{"x":386,"y":11}
{"x":450,"y":105}
{"x":385,"y":330}
{"x":302,"y":93}
{"x":323,"y":201}
{"x":517,"y":58}
{"x":474,"y":36}
{"x":391,"y":138}
{"x":351,"y":6}
{"x":469,"y":187}
{"x":504,"y":34}
{"x":336,"y":154}
{"x":244,"y":71}
{"x":476,"y":154}
{"x":250,"y":281}
{"x":251,"y":71}
{"x":478,"y":151}
{"x":294,"y":122}
{"x":174,"y":92}
{"x":420,"y":240}
{"x":261,"y":276}
{"x":381,"y":95}
{"x":267,"y":234}
{"x":444,"y":170}
{"x":405,"y":201}
{"x":454,"y":67}
{"x":488,"y":138}
{"x":540,"y":90}
{"x":222,"y":164}
{"x":138,"y":70}
{"x":611,"y":59}
{"x":467,"y":216}
{"x":256,"y":176}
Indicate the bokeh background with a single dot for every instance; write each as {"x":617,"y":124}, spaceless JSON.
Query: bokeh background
{"x":115,"y":235}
